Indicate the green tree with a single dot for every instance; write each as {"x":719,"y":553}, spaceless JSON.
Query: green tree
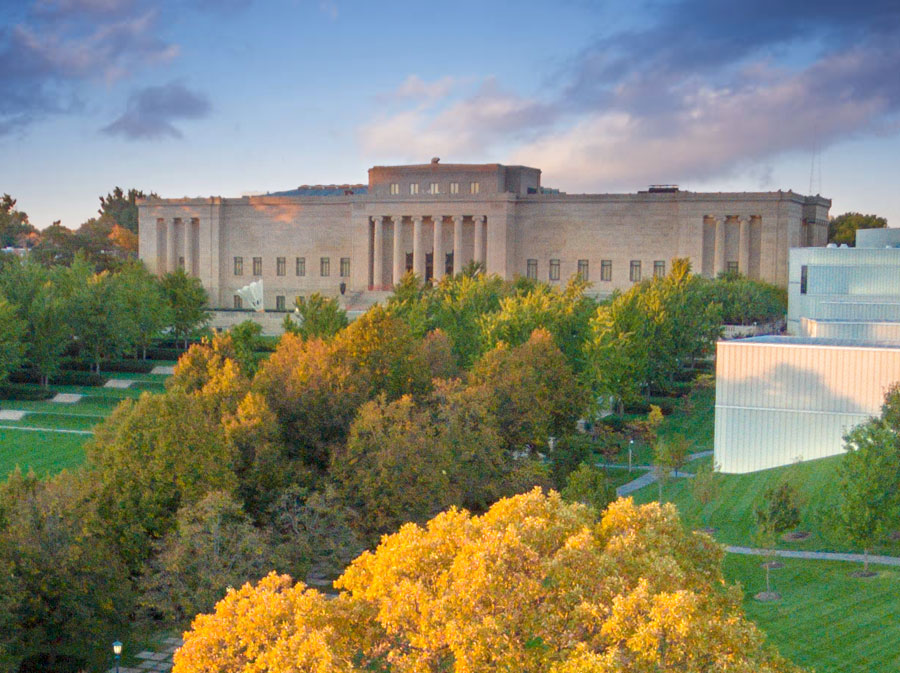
{"x":214,"y":545}
{"x":778,"y":513}
{"x":589,"y":485}
{"x":316,"y":318}
{"x":842,"y":229}
{"x":70,"y":592}
{"x":869,"y":474}
{"x":101,"y":322}
{"x":122,"y":207}
{"x":669,"y":456}
{"x":188,"y":299}
{"x":145,"y":304}
{"x":12,"y":332}
{"x":151,"y":457}
{"x":246,"y":340}
{"x":15,"y":229}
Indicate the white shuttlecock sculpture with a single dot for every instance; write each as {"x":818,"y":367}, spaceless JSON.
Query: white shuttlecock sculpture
{"x":253,"y":295}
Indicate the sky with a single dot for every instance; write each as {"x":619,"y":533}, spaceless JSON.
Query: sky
{"x":227,"y":97}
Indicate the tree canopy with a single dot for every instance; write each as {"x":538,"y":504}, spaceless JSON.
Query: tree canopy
{"x":842,"y":229}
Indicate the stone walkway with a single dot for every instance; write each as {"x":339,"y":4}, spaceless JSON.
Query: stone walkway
{"x":66,"y":398}
{"x":11,"y":415}
{"x":163,"y":369}
{"x":25,"y":428}
{"x":154,"y":662}
{"x":120,"y":384}
{"x":649,"y":477}
{"x":816,"y":555}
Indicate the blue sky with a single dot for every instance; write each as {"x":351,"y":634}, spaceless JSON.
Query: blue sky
{"x":224,"y":97}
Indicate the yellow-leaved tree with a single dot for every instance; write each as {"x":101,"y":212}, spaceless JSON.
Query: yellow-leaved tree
{"x":534,"y":585}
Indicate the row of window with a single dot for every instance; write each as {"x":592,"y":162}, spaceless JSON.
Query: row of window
{"x":434,"y":188}
{"x":634,"y":274}
{"x":299,"y":266}
{"x":279,"y":302}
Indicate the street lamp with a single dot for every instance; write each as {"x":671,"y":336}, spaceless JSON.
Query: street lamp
{"x":630,"y":447}
{"x":117,"y":650}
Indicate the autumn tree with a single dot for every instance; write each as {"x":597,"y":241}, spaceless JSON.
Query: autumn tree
{"x":535,"y":584}
{"x":535,"y":394}
{"x":121,"y":207}
{"x":842,"y":229}
{"x":214,"y":545}
{"x":15,"y":229}
{"x":151,"y":457}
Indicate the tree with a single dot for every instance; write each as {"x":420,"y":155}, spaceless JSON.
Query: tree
{"x":151,"y":457}
{"x":589,"y":485}
{"x":214,"y":545}
{"x":705,"y":486}
{"x":101,"y":322}
{"x":669,"y":455}
{"x":534,"y":392}
{"x":69,"y":590}
{"x":245,"y":337}
{"x":145,"y":303}
{"x":869,"y":473}
{"x":15,"y":229}
{"x":317,"y":317}
{"x":122,"y":208}
{"x":535,"y":584}
{"x":188,"y":299}
{"x":12,"y":332}
{"x":778,"y":513}
{"x":842,"y":229}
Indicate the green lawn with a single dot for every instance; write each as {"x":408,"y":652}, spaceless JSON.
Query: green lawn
{"x":44,"y":452}
{"x":826,"y":620}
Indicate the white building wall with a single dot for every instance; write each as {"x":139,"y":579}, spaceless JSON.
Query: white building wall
{"x":779,"y":400}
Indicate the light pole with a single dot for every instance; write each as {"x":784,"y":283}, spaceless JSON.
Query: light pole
{"x":630,"y":448}
{"x":117,"y":650}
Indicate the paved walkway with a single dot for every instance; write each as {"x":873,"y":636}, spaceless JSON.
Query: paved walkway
{"x":63,"y":430}
{"x":649,"y":477}
{"x":817,"y":555}
{"x":152,"y":661}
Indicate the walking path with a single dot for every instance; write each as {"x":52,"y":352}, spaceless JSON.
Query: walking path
{"x":154,"y":662}
{"x":29,"y":429}
{"x":817,"y":555}
{"x":649,"y":477}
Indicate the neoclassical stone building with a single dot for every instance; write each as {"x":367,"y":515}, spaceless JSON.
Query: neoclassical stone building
{"x":436,"y":218}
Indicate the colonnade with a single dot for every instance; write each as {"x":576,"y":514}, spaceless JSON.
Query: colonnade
{"x":743,"y":248}
{"x":428,"y":234}
{"x":177,"y":231}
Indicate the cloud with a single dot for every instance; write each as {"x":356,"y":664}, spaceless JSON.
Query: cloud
{"x":150,"y":112}
{"x":706,"y":89}
{"x":58,"y":45}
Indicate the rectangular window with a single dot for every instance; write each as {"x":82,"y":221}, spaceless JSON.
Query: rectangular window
{"x":474,"y":187}
{"x":454,"y":188}
{"x":237,"y":302}
{"x":395,"y":189}
{"x":325,"y":266}
{"x":257,"y":266}
{"x":181,"y":262}
{"x":635,"y":273}
{"x":606,"y":269}
{"x":301,"y":266}
{"x":238,"y":266}
{"x":659,"y":268}
{"x":731,"y":267}
{"x":279,"y":303}
{"x":583,"y":269}
{"x":531,"y":269}
{"x":434,"y":188}
{"x":554,"y":269}
{"x":345,"y":267}
{"x":804,"y":278}
{"x":280,"y":266}
{"x":414,"y":188}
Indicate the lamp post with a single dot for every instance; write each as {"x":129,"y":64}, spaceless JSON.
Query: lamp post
{"x":630,"y":448}
{"x":117,"y":650}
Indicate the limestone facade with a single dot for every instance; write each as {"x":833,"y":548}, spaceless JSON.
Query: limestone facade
{"x":436,"y":218}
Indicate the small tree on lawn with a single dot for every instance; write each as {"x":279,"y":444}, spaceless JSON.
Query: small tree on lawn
{"x":589,"y":485}
{"x":778,"y":513}
{"x":669,"y":455}
{"x":705,"y":485}
{"x":187,"y":298}
{"x":869,"y":475}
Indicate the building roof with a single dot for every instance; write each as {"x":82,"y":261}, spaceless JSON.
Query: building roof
{"x":810,"y":342}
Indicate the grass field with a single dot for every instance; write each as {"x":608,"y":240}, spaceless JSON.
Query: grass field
{"x":47,"y":452}
{"x":826,"y":620}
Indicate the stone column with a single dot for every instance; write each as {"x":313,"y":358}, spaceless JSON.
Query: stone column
{"x":399,"y":262}
{"x":744,"y":248}
{"x":438,"y":261}
{"x":457,"y":244}
{"x":189,"y":247}
{"x":418,"y":249}
{"x":719,"y":264}
{"x":171,"y":251}
{"x":479,"y":240}
{"x":378,"y":254}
